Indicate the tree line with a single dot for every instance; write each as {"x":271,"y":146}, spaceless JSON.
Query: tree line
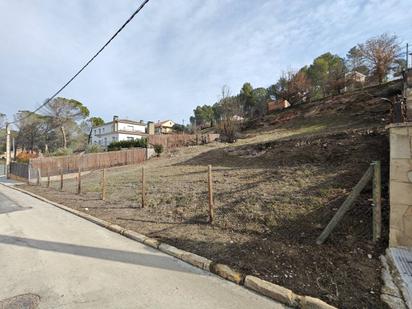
{"x":62,"y":127}
{"x":376,"y":59}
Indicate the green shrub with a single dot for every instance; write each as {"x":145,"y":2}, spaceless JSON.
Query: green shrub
{"x":158,"y":149}
{"x":93,"y":148}
{"x":142,"y":143}
{"x":62,"y":152}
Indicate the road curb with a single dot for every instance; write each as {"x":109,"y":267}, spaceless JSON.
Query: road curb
{"x":260,"y":286}
{"x":308,"y":302}
{"x":196,"y":260}
{"x":227,"y":273}
{"x":135,"y":236}
{"x":168,"y":249}
{"x":271,"y":290}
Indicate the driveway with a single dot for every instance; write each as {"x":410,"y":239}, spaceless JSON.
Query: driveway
{"x":59,"y":260}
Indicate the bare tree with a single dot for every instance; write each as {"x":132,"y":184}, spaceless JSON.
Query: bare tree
{"x":226,"y":111}
{"x":293,"y":86}
{"x":379,"y":54}
{"x":225,"y":92}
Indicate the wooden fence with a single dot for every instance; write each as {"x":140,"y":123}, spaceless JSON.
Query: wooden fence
{"x":178,"y":140}
{"x":71,"y":164}
{"x":372,"y":173}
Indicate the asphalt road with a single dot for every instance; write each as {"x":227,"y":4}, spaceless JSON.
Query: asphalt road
{"x":62,"y":261}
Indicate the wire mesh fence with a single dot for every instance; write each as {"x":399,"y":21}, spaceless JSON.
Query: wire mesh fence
{"x":246,"y":200}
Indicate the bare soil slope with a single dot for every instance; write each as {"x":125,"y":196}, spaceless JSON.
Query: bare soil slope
{"x":275,"y":190}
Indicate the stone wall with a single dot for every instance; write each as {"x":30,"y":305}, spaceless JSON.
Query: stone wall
{"x":400,"y":187}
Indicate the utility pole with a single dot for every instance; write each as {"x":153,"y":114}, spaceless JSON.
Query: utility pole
{"x":7,"y":149}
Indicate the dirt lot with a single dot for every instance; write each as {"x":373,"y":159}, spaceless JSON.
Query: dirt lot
{"x":272,"y":201}
{"x":275,"y":190}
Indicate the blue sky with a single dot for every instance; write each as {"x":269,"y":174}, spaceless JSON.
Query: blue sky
{"x":176,"y":54}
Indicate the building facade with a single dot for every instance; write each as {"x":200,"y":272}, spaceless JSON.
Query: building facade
{"x":118,"y":130}
{"x":277,"y":105}
{"x":354,"y":80}
{"x":164,"y":127}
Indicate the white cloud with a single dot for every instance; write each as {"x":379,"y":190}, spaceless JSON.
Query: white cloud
{"x":175,"y":54}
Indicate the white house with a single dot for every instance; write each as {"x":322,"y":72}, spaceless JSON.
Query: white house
{"x":118,"y":130}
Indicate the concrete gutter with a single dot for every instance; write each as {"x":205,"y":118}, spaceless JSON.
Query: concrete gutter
{"x":390,"y":293}
{"x":262,"y":287}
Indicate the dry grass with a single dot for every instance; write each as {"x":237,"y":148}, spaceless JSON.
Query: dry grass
{"x":274,"y":192}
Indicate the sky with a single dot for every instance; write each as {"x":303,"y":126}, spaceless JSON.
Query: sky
{"x":175,"y":54}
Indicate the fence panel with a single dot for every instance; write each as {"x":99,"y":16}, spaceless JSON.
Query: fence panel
{"x":92,"y":161}
{"x":19,"y":170}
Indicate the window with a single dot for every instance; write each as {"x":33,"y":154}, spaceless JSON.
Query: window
{"x":130,"y":138}
{"x":95,"y":132}
{"x":130,"y":128}
{"x":100,"y":131}
{"x":113,"y":138}
{"x":105,"y":141}
{"x":103,"y":130}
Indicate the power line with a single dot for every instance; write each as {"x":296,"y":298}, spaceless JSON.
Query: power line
{"x":88,"y":62}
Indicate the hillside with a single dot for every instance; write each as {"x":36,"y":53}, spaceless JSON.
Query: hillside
{"x":360,"y":109}
{"x":275,"y":190}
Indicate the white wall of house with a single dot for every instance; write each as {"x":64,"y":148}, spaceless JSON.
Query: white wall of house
{"x":106,"y":139}
{"x":105,"y":134}
{"x":131,"y":127}
{"x":125,"y":137}
{"x":106,"y":128}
